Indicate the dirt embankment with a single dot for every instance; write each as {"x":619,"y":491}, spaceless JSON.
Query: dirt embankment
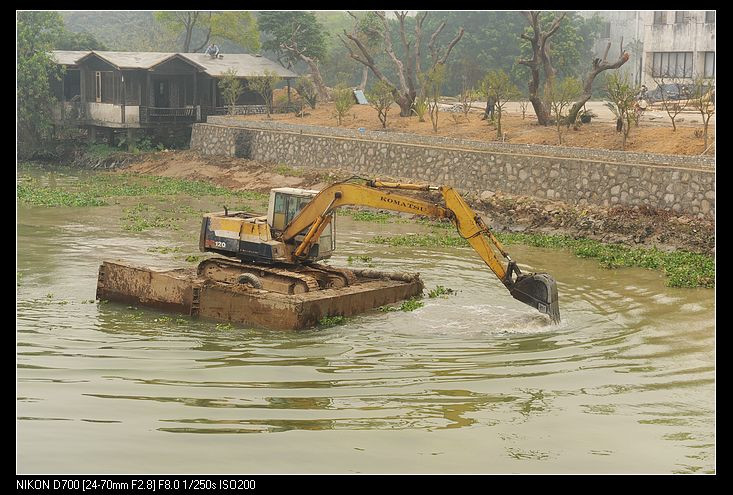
{"x":504,"y":212}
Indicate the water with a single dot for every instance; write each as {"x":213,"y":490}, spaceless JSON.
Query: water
{"x":471,"y":383}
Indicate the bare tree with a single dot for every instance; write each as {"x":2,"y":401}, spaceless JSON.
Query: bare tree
{"x":380,"y":98}
{"x":599,"y":65}
{"x":623,"y":95}
{"x":432,"y":81}
{"x":343,"y":98}
{"x":186,"y":20}
{"x":563,"y":93}
{"x":499,"y":89}
{"x":540,"y":41}
{"x":703,"y":99}
{"x":407,"y":69}
{"x":312,"y":62}
{"x":523,"y":106}
{"x":231,"y":88}
{"x":465,"y":99}
{"x":264,"y":85}
{"x":307,"y":91}
{"x":368,"y":27}
{"x":672,"y":107}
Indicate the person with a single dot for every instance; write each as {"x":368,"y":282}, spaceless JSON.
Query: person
{"x":489,"y":112}
{"x":642,"y":92}
{"x":212,"y":50}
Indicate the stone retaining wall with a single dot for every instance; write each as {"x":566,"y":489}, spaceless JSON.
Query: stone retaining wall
{"x":573,"y":175}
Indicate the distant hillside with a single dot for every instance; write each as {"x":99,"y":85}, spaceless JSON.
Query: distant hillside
{"x":121,"y":31}
{"x":131,"y":31}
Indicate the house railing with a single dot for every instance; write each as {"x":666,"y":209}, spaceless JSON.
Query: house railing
{"x":161,"y":114}
{"x":237,"y":110}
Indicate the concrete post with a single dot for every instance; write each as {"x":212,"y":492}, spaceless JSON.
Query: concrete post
{"x":131,"y":135}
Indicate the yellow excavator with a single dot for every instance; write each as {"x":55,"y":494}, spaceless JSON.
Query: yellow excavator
{"x":299,"y":230}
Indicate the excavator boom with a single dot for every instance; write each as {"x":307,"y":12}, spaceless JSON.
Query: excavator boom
{"x":538,"y":290}
{"x":298,"y":230}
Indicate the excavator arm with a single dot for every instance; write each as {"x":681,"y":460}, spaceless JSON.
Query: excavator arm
{"x":538,"y":290}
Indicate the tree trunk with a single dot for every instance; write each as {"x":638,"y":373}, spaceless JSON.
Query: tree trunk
{"x":312,"y":63}
{"x":705,"y":131}
{"x":540,"y":58}
{"x":405,"y":103}
{"x":599,"y":65}
{"x":317,"y":79}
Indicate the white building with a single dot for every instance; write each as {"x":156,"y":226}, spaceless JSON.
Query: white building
{"x":676,"y":44}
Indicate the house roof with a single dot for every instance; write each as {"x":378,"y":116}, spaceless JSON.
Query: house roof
{"x":245,"y":64}
{"x":68,"y":57}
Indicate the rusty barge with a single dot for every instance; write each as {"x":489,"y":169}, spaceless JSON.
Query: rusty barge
{"x":255,"y":295}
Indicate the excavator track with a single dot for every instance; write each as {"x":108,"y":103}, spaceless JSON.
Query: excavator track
{"x":289,"y":279}
{"x":225,"y":270}
{"x":331,"y":276}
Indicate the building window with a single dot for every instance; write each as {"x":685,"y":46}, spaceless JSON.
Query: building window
{"x":709,"y":64}
{"x":672,"y":64}
{"x":680,"y":16}
{"x":710,"y":17}
{"x":660,"y":17}
{"x":606,"y":30}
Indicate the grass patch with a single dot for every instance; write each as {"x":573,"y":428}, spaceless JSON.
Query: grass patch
{"x":441,"y":291}
{"x":143,"y":217}
{"x":289,"y":171}
{"x":421,"y":240}
{"x":35,"y":195}
{"x":369,"y":216}
{"x":101,"y":150}
{"x":386,"y":309}
{"x":682,"y":268}
{"x":331,"y":321}
{"x":92,"y":189}
{"x":436,"y":224}
{"x":411,"y":304}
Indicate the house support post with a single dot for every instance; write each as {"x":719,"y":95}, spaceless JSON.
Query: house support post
{"x":131,"y":135}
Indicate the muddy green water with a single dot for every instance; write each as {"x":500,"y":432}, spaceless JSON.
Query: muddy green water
{"x":471,"y":383}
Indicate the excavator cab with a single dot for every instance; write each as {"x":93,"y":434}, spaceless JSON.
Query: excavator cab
{"x":285,"y":204}
{"x":254,"y":238}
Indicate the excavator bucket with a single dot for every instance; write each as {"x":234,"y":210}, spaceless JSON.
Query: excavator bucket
{"x":539,"y":290}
